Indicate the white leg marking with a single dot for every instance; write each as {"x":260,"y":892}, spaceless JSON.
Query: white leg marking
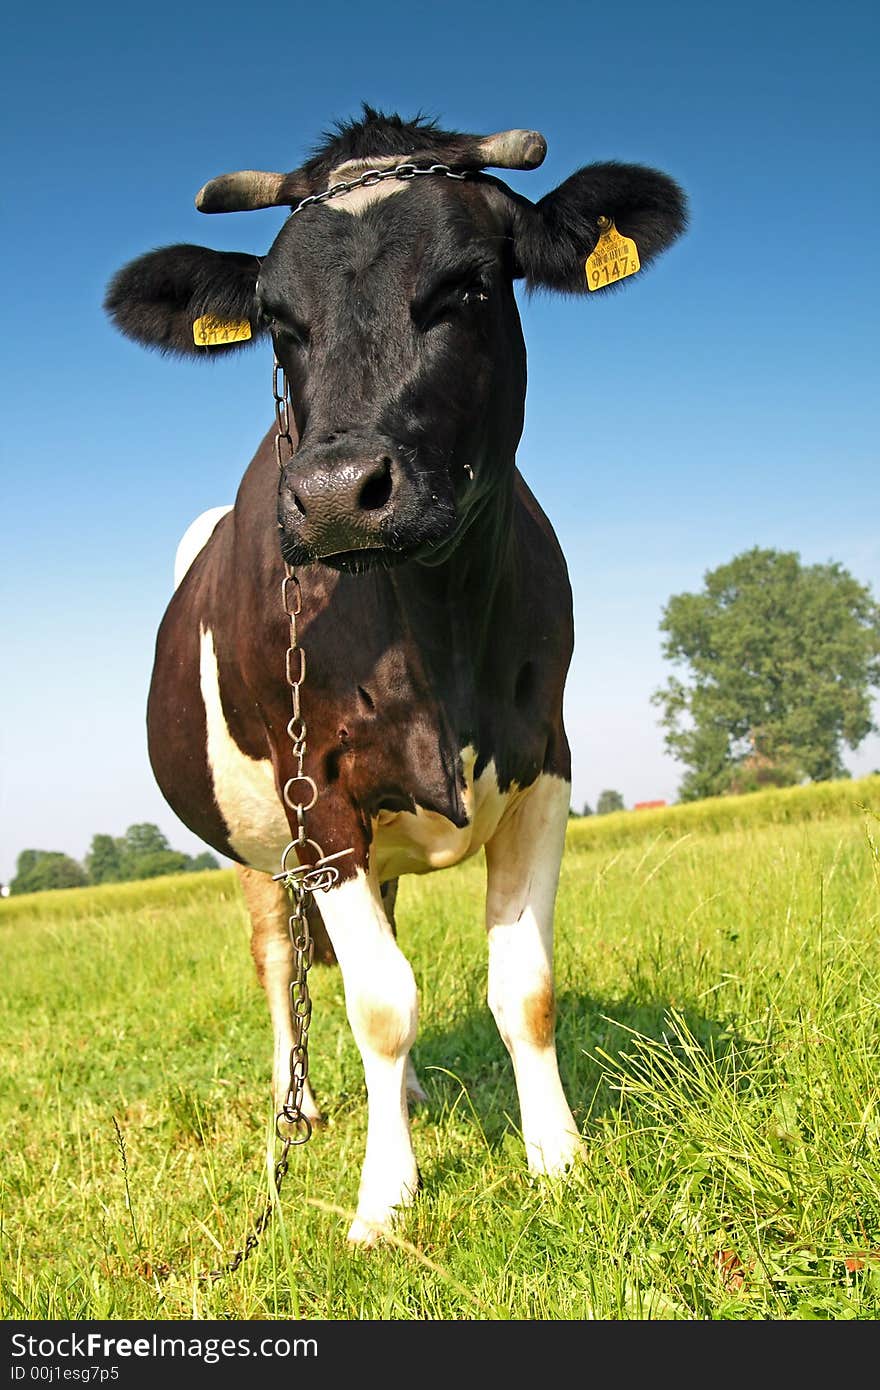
{"x":382,"y":1005}
{"x":194,"y":539}
{"x":522,"y":862}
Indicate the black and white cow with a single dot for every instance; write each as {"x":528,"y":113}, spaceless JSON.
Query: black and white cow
{"x":436,"y":605}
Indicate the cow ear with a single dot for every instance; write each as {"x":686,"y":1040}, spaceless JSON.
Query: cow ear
{"x":188,"y":300}
{"x":554,"y":237}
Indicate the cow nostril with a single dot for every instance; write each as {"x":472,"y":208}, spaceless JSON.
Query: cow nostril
{"x":298,"y":504}
{"x":376,"y":491}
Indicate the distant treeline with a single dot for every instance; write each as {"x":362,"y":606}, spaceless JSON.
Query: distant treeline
{"x":142,"y":852}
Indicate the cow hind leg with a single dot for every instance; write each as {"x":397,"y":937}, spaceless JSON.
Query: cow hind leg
{"x":269,"y":908}
{"x":522,"y":863}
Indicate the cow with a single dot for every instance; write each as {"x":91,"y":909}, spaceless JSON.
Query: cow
{"x":436,"y":610}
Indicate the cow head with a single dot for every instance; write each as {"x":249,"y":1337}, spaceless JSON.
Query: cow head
{"x":391,"y":308}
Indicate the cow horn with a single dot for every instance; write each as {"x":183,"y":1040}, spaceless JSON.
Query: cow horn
{"x":249,"y":189}
{"x":513,"y":149}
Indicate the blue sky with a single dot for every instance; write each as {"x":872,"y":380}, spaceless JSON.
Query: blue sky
{"x":726,"y":398}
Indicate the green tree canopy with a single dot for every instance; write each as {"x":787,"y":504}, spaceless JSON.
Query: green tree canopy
{"x":104,"y":860}
{"x":780,"y":659}
{"x":145,"y":838}
{"x":205,"y":860}
{"x":609,"y":801}
{"x":142,"y":852}
{"x":39,"y":869}
{"x":157,"y":863}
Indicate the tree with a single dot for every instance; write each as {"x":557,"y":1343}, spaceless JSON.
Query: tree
{"x":780,"y":659}
{"x":205,"y":860}
{"x":142,"y":852}
{"x":609,"y":801}
{"x":157,"y":863}
{"x":588,"y":810}
{"x":145,"y":853}
{"x":145,"y":838}
{"x":104,"y":860}
{"x":39,"y":869}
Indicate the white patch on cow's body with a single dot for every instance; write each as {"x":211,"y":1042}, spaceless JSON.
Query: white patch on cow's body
{"x":360,"y":198}
{"x":414,"y":842}
{"x":382,"y":1004}
{"x":244,"y":788}
{"x":522,"y":872}
{"x":194,"y":539}
{"x":523,"y":831}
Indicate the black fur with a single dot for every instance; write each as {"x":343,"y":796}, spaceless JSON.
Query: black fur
{"x":377,"y":135}
{"x":157,"y":298}
{"x":554,"y":237}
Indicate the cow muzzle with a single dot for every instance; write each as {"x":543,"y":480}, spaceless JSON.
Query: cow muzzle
{"x":338,"y":499}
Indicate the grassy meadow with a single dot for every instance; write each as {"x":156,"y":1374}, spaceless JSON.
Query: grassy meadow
{"x":718,"y":970}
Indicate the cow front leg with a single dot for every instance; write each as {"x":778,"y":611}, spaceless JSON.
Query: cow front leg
{"x":269,"y":908}
{"x":522,"y":861}
{"x":414,"y":1092}
{"x":382,"y":1005}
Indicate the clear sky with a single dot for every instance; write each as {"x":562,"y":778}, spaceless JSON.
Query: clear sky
{"x":726,"y":398}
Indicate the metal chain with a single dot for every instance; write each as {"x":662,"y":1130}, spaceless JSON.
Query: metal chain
{"x":301,"y":880}
{"x":366,"y":180}
{"x":300,"y":793}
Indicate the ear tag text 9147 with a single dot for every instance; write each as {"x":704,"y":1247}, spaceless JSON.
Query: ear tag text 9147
{"x":613,"y":258}
{"x":209,"y":331}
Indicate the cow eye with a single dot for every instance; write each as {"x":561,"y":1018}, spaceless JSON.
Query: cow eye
{"x":295,"y":333}
{"x":446,"y":302}
{"x":287,"y":331}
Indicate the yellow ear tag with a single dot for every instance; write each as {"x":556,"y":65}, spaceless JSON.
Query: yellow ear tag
{"x":209,"y":331}
{"x":614,"y":257}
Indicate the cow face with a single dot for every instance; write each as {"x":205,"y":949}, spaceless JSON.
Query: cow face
{"x":392,"y":311}
{"x":398,"y":330}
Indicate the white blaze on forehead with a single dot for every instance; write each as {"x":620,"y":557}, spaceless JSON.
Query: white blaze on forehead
{"x":360,"y":198}
{"x":194,"y":539}
{"x":244,"y":788}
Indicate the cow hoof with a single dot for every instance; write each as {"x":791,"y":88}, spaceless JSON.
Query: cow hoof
{"x":366,"y":1234}
{"x":554,"y":1160}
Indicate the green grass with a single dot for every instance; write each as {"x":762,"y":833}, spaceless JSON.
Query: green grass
{"x":719,"y":1022}
{"x":782,"y":806}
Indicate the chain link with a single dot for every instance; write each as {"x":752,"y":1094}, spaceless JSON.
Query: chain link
{"x":300,"y":793}
{"x":373,"y":176}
